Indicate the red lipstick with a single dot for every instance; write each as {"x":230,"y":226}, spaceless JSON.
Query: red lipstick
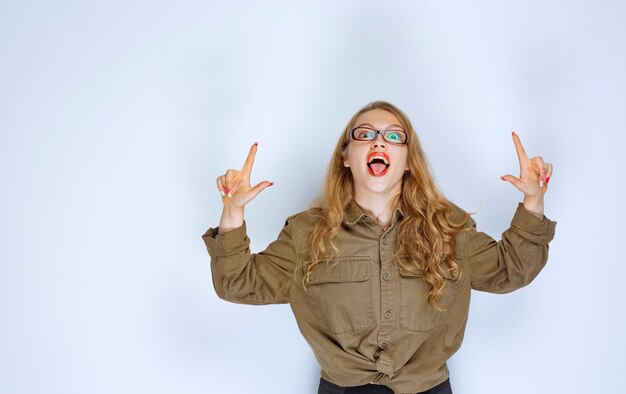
{"x":378,"y":163}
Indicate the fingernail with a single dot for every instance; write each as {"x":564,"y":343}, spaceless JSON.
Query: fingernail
{"x":227,"y":190}
{"x":271,"y":184}
{"x":513,"y":133}
{"x":256,"y":143}
{"x":229,"y":195}
{"x":503,"y":178}
{"x":547,"y":180}
{"x":222,"y":193}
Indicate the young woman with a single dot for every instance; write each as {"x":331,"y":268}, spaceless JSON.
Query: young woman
{"x":378,"y":273}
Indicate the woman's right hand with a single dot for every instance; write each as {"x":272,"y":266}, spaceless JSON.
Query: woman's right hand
{"x":235,"y":185}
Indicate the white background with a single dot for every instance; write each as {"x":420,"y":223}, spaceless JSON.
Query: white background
{"x":116,"y":117}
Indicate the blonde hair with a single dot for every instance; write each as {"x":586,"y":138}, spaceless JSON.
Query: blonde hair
{"x":425,"y":243}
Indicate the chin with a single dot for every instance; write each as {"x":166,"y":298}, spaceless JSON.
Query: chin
{"x":380,"y":186}
{"x":377,"y":184}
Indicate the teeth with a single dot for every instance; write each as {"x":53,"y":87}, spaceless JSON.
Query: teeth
{"x":378,"y":157}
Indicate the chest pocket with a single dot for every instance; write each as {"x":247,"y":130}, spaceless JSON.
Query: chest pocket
{"x":340,"y":295}
{"x":416,"y":314}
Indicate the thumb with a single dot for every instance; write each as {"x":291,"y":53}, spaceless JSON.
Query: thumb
{"x":258,"y":188}
{"x":515,"y":181}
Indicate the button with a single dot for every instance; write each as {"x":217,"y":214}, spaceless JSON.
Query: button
{"x":388,"y":315}
{"x":385,"y":241}
{"x":384,"y":345}
{"x":386,"y":276}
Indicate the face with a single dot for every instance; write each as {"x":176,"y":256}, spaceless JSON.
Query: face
{"x":365,"y":158}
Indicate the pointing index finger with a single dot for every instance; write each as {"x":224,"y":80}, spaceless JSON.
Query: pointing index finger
{"x":247,"y":166}
{"x":521,"y":153}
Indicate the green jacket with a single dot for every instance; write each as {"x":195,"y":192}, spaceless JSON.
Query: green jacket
{"x":364,"y":319}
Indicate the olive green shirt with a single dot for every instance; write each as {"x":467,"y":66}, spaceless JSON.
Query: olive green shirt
{"x":366,"y":321}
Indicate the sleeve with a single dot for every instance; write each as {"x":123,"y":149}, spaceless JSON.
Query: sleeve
{"x":251,"y":278}
{"x":514,"y":261}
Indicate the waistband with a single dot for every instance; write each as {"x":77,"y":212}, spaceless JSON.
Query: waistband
{"x":327,"y":387}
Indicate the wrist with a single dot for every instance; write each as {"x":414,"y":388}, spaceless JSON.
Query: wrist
{"x":232,"y":218}
{"x":534,"y":205}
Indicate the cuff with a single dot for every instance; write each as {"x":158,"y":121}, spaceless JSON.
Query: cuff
{"x":539,"y":231}
{"x":232,"y":241}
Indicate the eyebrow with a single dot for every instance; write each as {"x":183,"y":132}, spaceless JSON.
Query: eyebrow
{"x":391,"y":125}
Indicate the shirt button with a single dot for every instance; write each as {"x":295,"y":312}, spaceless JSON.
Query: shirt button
{"x":384,"y":345}
{"x":386,"y":276}
{"x":388,"y":315}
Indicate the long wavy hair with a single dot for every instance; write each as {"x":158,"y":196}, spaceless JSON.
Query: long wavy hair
{"x":425,"y":244}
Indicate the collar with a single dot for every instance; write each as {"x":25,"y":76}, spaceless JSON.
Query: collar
{"x":354,"y":213}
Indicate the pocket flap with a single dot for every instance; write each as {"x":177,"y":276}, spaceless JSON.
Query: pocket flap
{"x":410,"y":274}
{"x":407,"y":274}
{"x":341,"y":269}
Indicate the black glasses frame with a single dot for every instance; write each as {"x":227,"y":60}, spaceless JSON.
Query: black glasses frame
{"x":381,"y":132}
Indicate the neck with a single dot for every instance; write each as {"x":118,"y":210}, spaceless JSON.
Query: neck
{"x":379,"y":206}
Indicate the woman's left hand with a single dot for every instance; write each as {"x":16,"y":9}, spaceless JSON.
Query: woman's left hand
{"x":534,"y":173}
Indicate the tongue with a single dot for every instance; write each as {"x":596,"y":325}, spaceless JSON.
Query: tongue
{"x":377,"y":168}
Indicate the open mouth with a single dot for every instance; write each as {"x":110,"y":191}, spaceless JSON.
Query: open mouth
{"x":378,"y":163}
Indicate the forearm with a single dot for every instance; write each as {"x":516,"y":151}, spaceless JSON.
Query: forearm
{"x":514,"y":261}
{"x":251,"y":278}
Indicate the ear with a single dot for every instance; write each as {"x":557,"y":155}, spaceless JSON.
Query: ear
{"x":344,"y":155}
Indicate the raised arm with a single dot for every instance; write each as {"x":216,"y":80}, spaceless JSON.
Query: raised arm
{"x":514,"y":261}
{"x":239,"y":275}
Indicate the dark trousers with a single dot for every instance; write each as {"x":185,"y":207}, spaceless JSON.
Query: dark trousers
{"x":327,"y":387}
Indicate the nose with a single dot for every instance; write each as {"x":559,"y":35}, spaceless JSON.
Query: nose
{"x":379,"y":142}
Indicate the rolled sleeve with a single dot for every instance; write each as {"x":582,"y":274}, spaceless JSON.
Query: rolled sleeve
{"x":529,"y":226}
{"x":227,"y":244}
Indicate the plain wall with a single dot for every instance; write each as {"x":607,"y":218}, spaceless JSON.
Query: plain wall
{"x":116,"y":117}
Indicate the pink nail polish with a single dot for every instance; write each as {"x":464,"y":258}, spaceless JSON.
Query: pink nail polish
{"x":513,"y":133}
{"x":503,"y":178}
{"x":547,"y":180}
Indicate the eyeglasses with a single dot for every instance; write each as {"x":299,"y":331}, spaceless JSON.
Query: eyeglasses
{"x":363,"y":133}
